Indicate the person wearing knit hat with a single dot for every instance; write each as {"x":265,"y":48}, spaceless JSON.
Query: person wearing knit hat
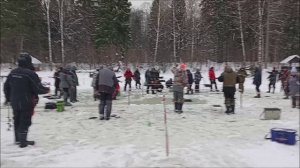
{"x":180,"y":81}
{"x":182,"y":66}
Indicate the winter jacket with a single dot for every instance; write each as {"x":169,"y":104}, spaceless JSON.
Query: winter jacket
{"x":242,"y":74}
{"x":180,"y":80}
{"x":190,"y":77}
{"x":272,"y":77}
{"x":147,"y":76}
{"x":128,"y":75}
{"x":74,"y":77}
{"x":198,"y":76}
{"x":154,"y":74}
{"x":284,"y":77}
{"x":22,"y":87}
{"x":56,"y":79}
{"x":107,"y":81}
{"x":66,"y":80}
{"x":229,"y":78}
{"x":211,"y":74}
{"x":137,"y":75}
{"x":294,"y":85}
{"x":257,"y":77}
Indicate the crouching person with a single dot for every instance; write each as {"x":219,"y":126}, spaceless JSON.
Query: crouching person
{"x":180,"y":81}
{"x":21,"y":89}
{"x":106,"y":84}
{"x":229,"y":79}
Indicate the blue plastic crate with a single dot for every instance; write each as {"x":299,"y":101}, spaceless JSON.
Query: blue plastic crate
{"x":282,"y":135}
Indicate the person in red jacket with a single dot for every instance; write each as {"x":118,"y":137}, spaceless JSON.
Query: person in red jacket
{"x":128,"y":77}
{"x":212,"y":78}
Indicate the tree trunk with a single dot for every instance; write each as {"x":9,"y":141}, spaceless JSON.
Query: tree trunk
{"x":49,"y":33}
{"x":193,"y":39}
{"x":61,"y":21}
{"x":260,"y":35}
{"x":267,"y":59}
{"x":174,"y":32}
{"x":157,"y":33}
{"x":242,"y":34}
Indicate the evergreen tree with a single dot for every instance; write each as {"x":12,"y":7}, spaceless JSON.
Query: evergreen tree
{"x":23,"y":28}
{"x":112,"y":27}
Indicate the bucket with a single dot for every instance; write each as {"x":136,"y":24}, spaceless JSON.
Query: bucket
{"x":271,"y":114}
{"x":282,"y":135}
{"x":60,"y":107}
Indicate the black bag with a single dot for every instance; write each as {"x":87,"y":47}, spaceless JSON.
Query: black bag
{"x":50,"y":105}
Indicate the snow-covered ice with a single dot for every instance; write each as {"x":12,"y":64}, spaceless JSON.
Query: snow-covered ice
{"x":203,"y":136}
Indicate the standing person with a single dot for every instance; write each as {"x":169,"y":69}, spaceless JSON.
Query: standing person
{"x":212,"y":78}
{"x":106,"y":83}
{"x":95,"y":74}
{"x":272,"y":78}
{"x":180,"y":81}
{"x":148,"y":79}
{"x":242,"y":74}
{"x":76,"y":83}
{"x":57,"y":81}
{"x":128,"y":77}
{"x":66,"y":84}
{"x":257,"y":80}
{"x":284,"y":77}
{"x":137,"y":77}
{"x":294,"y":88}
{"x":229,"y":79}
{"x":190,"y":81}
{"x":21,"y":89}
{"x":198,"y":77}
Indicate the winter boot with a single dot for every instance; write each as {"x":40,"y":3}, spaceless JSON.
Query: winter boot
{"x":23,"y":140}
{"x":228,"y":110}
{"x":257,"y":96}
{"x":176,"y":107}
{"x":180,"y":108}
{"x":293,"y":102}
{"x":108,"y":109}
{"x":232,"y":109}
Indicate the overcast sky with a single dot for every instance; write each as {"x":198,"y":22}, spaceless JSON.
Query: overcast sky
{"x":137,"y":3}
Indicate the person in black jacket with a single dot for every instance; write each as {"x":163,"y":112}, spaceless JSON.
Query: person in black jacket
{"x":57,"y":81}
{"x":190,"y":81}
{"x":137,"y":78}
{"x":21,"y":89}
{"x":257,"y":81}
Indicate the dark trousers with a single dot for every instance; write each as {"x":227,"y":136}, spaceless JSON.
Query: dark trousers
{"x":105,"y":102}
{"x":270,"y":85}
{"x":229,"y":93}
{"x":257,"y":88}
{"x":127,"y":82}
{"x":138,"y":82}
{"x":22,"y":121}
{"x":57,"y":89}
{"x":213,"y":82}
{"x":197,"y":88}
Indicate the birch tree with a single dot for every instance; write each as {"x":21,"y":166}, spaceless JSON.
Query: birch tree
{"x":61,"y":23}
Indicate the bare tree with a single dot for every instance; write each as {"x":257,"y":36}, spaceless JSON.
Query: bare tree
{"x":61,"y":21}
{"x":241,"y":31}
{"x":47,"y":4}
